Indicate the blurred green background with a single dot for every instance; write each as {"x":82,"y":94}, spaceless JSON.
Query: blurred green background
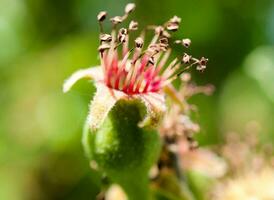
{"x":43,"y":41}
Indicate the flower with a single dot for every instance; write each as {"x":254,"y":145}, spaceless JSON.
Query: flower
{"x":131,"y":72}
{"x":250,"y":173}
{"x":250,"y":185}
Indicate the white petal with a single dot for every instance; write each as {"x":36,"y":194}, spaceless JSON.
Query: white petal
{"x":94,"y":73}
{"x":156,"y":107}
{"x":104,"y":99}
{"x":204,"y":161}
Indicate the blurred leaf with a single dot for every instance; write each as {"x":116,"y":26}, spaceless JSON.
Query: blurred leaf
{"x":259,"y":65}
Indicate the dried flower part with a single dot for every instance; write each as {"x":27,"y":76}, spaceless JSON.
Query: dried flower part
{"x":177,"y":128}
{"x":102,"y":16}
{"x":129,"y":8}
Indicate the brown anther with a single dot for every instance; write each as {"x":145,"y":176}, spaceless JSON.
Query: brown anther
{"x":133,"y":26}
{"x":186,"y":42}
{"x":159,"y":30}
{"x":102,"y":16}
{"x":122,"y":35}
{"x":139,"y":42}
{"x":103,"y":47}
{"x":153,"y":49}
{"x":203,"y":61}
{"x":175,"y":20}
{"x":123,"y":31}
{"x":116,"y":20}
{"x":163,"y":46}
{"x":172,"y":26}
{"x":105,"y":37}
{"x":186,"y":58}
{"x":163,"y":40}
{"x":202,"y":64}
{"x":129,"y":8}
{"x":151,"y":60}
{"x":166,"y":34}
{"x":121,"y":38}
{"x":201,"y":67}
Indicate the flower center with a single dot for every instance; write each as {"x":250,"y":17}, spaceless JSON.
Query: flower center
{"x":138,"y":70}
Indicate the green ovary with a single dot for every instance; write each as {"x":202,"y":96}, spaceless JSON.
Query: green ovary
{"x":125,"y":151}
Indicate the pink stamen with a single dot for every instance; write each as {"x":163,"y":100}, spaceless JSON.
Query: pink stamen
{"x":134,"y":70}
